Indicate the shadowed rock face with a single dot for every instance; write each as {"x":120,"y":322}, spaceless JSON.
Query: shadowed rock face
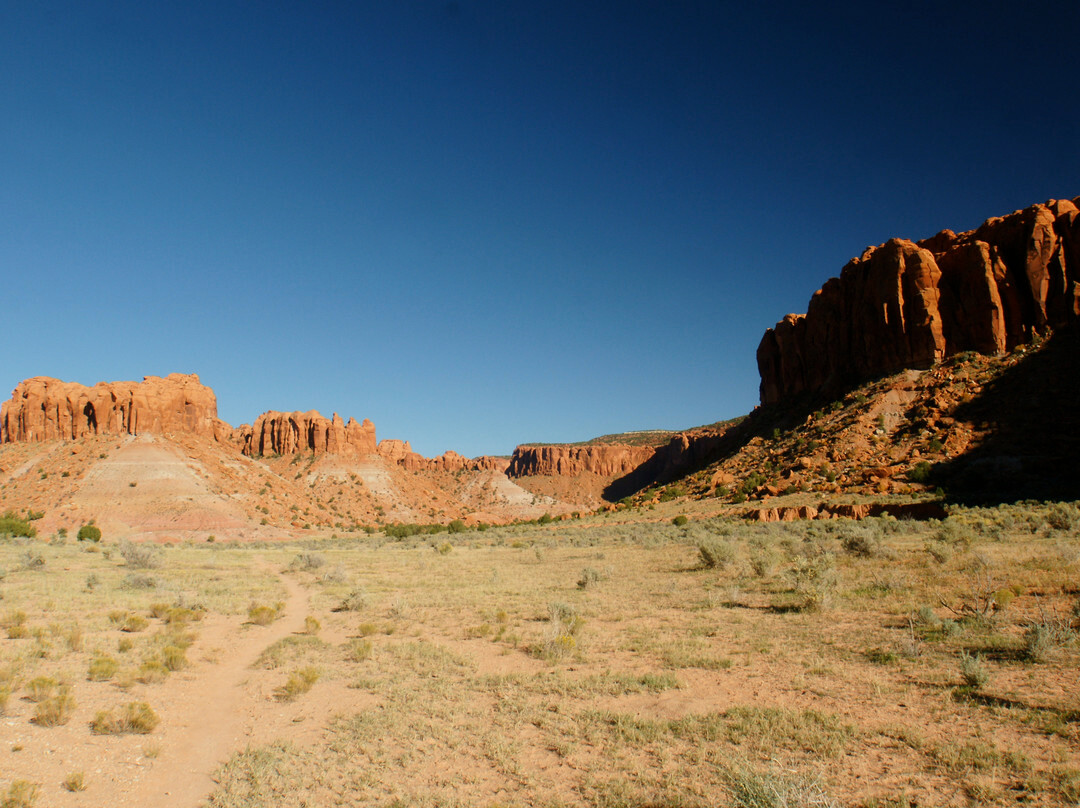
{"x":571,"y":461}
{"x":292,"y":432}
{"x":44,"y":409}
{"x":905,"y":304}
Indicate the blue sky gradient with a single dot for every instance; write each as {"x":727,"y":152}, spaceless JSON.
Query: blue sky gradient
{"x":485,"y":223}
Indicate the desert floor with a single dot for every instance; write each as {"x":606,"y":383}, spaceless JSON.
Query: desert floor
{"x":610,"y":661}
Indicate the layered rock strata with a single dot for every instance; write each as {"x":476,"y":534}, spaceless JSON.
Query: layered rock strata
{"x":909,"y":304}
{"x":44,"y":408}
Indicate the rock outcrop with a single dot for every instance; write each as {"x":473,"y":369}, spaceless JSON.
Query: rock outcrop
{"x":43,"y":409}
{"x":606,"y":460}
{"x":285,"y":433}
{"x":401,"y":453}
{"x":906,"y":304}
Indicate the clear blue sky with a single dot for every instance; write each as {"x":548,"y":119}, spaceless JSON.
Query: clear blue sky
{"x":484,"y":223}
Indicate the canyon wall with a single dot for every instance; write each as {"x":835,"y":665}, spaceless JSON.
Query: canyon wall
{"x":909,"y":304}
{"x":606,"y":460}
{"x":44,"y":408}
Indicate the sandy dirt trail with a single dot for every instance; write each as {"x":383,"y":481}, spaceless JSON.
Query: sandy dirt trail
{"x":219,"y":719}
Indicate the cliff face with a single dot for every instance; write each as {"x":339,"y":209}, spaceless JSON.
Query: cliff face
{"x":43,"y":409}
{"x":906,"y":304}
{"x":570,"y":461}
{"x":291,"y":432}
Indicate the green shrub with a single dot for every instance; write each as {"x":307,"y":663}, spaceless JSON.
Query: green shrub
{"x":140,"y":556}
{"x":1063,"y":516}
{"x":355,"y":601}
{"x":679,"y":520}
{"x":457,"y":526}
{"x":715,"y":554}
{"x":89,"y":533}
{"x":12,"y":525}
{"x":1038,"y":640}
{"x":920,"y":472}
{"x":307,"y":561}
{"x":589,"y":577}
{"x":973,"y":671}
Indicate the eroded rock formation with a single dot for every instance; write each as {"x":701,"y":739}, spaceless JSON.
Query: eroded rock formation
{"x":291,"y":432}
{"x":907,"y":304}
{"x":606,"y":460}
{"x":43,"y":409}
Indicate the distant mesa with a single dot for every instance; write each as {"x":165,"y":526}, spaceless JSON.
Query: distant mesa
{"x":43,"y":408}
{"x":910,"y":304}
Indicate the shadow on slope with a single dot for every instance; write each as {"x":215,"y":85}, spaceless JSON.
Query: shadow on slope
{"x":1030,"y":413}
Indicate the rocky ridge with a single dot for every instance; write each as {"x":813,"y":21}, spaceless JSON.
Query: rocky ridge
{"x":909,"y":304}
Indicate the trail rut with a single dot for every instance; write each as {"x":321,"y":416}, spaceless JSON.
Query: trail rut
{"x":217,"y":717}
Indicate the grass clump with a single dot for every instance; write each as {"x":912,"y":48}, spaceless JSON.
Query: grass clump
{"x":357,"y":650}
{"x":15,"y":625}
{"x":20,"y":794}
{"x":262,"y":615}
{"x":152,"y":671}
{"x":134,"y":623}
{"x":55,"y":709}
{"x":102,"y":668}
{"x":173,"y":658}
{"x":134,"y":718}
{"x":298,"y":683}
{"x":773,"y":789}
{"x":74,"y":782}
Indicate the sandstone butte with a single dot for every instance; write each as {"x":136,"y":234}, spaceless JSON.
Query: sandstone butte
{"x":44,"y":409}
{"x":910,"y":304}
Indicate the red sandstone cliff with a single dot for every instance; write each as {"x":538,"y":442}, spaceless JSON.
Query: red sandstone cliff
{"x":906,"y":304}
{"x":291,"y":432}
{"x":606,"y":460}
{"x":43,"y":409}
